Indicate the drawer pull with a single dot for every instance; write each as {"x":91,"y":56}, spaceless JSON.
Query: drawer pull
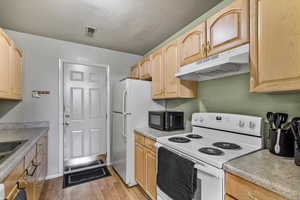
{"x":251,"y":196}
{"x":33,"y":171}
{"x":22,"y":184}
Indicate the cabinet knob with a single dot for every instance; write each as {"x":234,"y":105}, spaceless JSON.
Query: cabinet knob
{"x":22,"y":183}
{"x":251,"y":196}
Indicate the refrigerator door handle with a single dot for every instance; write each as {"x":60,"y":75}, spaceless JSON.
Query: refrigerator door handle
{"x":124,"y":113}
{"x":124,"y":101}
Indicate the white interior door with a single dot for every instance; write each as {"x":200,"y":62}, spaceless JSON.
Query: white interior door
{"x":85,"y":104}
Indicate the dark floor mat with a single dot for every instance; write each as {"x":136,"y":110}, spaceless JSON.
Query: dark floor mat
{"x":85,"y":176}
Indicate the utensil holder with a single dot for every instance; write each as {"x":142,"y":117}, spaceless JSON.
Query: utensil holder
{"x":286,"y":143}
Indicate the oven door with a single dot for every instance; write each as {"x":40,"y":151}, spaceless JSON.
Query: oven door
{"x":210,"y":180}
{"x":157,"y":120}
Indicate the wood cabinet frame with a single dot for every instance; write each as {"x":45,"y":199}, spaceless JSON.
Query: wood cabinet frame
{"x":239,"y":9}
{"x":145,"y":164}
{"x":257,"y":85}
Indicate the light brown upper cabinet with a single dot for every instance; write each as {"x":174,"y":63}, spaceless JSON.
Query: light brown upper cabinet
{"x":157,"y":75}
{"x":10,"y":69}
{"x":228,"y":28}
{"x":135,"y":71}
{"x":145,"y":69}
{"x":175,"y":87}
{"x":275,"y":49}
{"x":192,"y":45}
{"x":16,"y":73}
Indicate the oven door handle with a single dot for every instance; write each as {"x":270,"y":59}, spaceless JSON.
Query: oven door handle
{"x":206,"y":170}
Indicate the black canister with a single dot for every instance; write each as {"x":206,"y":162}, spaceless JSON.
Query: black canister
{"x":286,"y":143}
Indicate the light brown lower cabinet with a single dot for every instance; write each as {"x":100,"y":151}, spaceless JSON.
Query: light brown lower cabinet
{"x":31,"y":176}
{"x":39,"y":173}
{"x":229,"y":197}
{"x":140,"y":169}
{"x":145,"y":164}
{"x":240,"y":189}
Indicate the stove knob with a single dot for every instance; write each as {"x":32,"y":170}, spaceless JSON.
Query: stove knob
{"x":201,"y":120}
{"x":241,"y":124}
{"x":252,"y":125}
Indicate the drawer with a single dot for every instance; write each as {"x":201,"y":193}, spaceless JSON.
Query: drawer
{"x":139,"y":138}
{"x":150,"y":144}
{"x":30,"y":156}
{"x":242,"y":189}
{"x":13,"y":177}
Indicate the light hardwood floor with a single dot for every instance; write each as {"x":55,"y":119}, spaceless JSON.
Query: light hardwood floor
{"x":108,"y":188}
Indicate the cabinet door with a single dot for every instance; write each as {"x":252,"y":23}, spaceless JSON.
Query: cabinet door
{"x":145,"y":67}
{"x":157,"y":75}
{"x":16,"y":73}
{"x":141,"y":68}
{"x":5,"y":84}
{"x":192,"y":45}
{"x":170,"y":53}
{"x":151,"y":174}
{"x":140,"y":170}
{"x":229,"y":28}
{"x":275,"y":49}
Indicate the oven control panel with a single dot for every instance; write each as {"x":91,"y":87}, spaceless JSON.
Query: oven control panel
{"x":249,"y":125}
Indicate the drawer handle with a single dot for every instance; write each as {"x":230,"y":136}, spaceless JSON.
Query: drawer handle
{"x":251,"y":196}
{"x":22,"y":184}
{"x":33,"y":172}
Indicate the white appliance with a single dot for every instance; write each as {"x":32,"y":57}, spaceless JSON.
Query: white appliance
{"x":131,"y":101}
{"x":215,"y":139}
{"x":228,"y":63}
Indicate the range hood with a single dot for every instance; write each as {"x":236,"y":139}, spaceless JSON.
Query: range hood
{"x":228,"y":63}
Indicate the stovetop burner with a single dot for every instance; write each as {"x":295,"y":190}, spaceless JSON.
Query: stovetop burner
{"x":179,"y":139}
{"x":211,"y":151}
{"x":194,"y":136}
{"x":227,"y":145}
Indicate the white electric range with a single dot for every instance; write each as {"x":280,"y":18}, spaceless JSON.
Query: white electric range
{"x":215,"y":139}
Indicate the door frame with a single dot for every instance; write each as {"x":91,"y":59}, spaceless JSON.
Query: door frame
{"x":61,"y":111}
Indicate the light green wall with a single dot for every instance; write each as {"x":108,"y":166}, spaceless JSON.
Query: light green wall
{"x":196,"y":22}
{"x":231,"y":95}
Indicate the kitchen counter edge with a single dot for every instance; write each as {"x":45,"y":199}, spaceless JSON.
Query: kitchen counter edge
{"x":274,"y":173}
{"x":8,"y":165}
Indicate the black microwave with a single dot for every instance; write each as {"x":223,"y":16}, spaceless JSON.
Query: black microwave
{"x":166,"y":120}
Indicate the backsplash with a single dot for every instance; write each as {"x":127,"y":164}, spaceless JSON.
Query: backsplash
{"x":231,"y":95}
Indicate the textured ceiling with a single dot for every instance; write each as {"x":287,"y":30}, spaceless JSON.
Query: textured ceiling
{"x":133,"y":26}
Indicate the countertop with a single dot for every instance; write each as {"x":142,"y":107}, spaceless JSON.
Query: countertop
{"x":274,"y":173}
{"x":32,"y":135}
{"x":154,"y":134}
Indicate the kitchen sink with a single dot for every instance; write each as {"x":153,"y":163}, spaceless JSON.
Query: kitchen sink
{"x":8,"y":148}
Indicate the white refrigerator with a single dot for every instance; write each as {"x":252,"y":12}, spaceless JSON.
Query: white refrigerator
{"x":131,"y":101}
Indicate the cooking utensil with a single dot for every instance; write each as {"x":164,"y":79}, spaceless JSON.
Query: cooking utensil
{"x":280,"y":118}
{"x":271,"y":119}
